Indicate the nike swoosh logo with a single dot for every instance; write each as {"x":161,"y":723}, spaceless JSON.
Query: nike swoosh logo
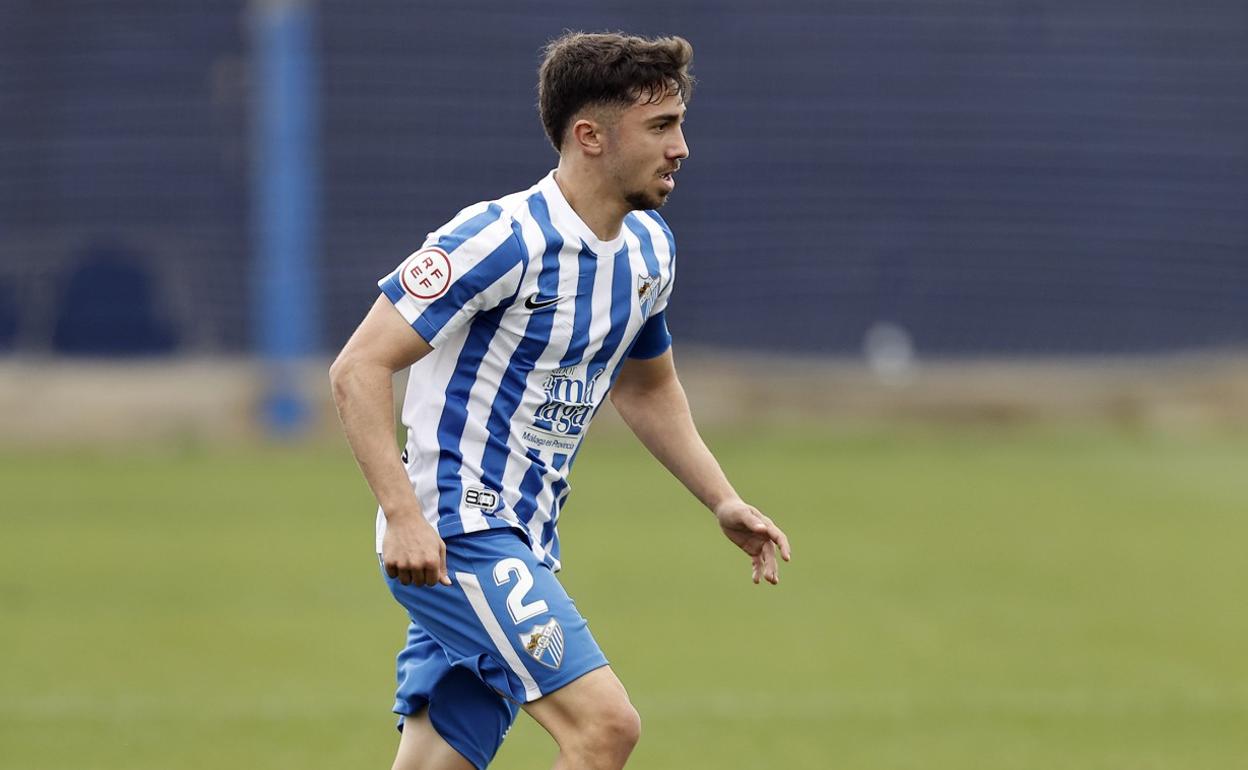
{"x":532,"y":303}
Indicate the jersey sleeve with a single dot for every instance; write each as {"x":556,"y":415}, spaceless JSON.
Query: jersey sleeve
{"x":654,"y":338}
{"x":470,"y":265}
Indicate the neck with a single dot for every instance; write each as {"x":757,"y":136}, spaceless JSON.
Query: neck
{"x":598,"y":206}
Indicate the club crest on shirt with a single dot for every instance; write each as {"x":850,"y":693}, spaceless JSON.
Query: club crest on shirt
{"x":544,"y":643}
{"x":646,"y":292}
{"x":426,"y":274}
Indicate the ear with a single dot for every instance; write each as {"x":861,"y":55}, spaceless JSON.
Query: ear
{"x":587,"y":135}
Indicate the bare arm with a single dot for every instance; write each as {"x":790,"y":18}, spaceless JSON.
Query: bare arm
{"x":361,"y":380}
{"x":650,"y":398}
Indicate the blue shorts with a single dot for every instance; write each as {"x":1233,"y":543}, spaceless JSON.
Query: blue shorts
{"x":503,"y":634}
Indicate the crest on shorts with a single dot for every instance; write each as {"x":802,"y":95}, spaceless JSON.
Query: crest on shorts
{"x":544,"y":643}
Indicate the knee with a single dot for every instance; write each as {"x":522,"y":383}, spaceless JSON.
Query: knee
{"x":615,"y":728}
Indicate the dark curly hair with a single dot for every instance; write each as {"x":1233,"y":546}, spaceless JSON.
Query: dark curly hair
{"x":609,"y":69}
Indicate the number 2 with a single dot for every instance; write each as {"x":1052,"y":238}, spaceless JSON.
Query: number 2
{"x":515,"y":598}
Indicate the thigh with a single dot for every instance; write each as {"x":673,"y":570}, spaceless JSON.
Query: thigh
{"x":422,"y":747}
{"x":505,"y":618}
{"x":571,"y":711}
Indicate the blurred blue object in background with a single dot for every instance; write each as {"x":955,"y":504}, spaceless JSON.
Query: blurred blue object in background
{"x":285,"y":181}
{"x":108,"y":307}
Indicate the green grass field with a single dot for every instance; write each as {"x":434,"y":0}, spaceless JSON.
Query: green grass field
{"x":957,"y":600}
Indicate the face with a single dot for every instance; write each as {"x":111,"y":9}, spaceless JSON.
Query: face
{"x":643,"y":149}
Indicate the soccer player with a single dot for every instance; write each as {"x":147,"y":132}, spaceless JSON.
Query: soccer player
{"x":516,"y":318}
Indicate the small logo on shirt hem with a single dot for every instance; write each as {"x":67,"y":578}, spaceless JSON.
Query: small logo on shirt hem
{"x":482,"y":498}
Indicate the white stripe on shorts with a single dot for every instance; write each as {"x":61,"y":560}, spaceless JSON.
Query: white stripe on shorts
{"x":472,"y":589}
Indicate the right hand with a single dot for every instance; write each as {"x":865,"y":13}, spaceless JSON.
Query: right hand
{"x":413,"y":553}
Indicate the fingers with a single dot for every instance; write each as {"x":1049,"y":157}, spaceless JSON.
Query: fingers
{"x":770,"y":568}
{"x":775,"y":536}
{"x":763,"y":565}
{"x":764,"y":542}
{"x":782,"y":540}
{"x":433,"y":576}
{"x":420,"y":576}
{"x":765,"y":526}
{"x":414,"y":554}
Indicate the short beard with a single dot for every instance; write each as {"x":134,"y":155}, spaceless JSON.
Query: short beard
{"x":642,"y":201}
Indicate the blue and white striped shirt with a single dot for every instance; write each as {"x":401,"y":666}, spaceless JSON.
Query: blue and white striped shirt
{"x":530,"y":317}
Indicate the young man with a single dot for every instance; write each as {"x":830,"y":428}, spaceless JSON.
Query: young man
{"x":516,"y":318}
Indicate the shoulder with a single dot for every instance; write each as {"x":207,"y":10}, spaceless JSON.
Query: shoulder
{"x":482,"y":229}
{"x":655,"y":233}
{"x":528,"y":215}
{"x":658,"y":220}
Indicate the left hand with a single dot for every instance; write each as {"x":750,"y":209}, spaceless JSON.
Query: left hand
{"x":755,"y":534}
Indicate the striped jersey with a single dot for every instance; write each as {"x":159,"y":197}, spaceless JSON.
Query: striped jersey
{"x":530,"y":317}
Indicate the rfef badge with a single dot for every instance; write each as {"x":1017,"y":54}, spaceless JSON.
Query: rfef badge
{"x":427,"y":273}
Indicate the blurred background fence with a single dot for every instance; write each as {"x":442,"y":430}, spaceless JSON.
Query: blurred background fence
{"x":917,"y":180}
{"x":965,"y":214}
